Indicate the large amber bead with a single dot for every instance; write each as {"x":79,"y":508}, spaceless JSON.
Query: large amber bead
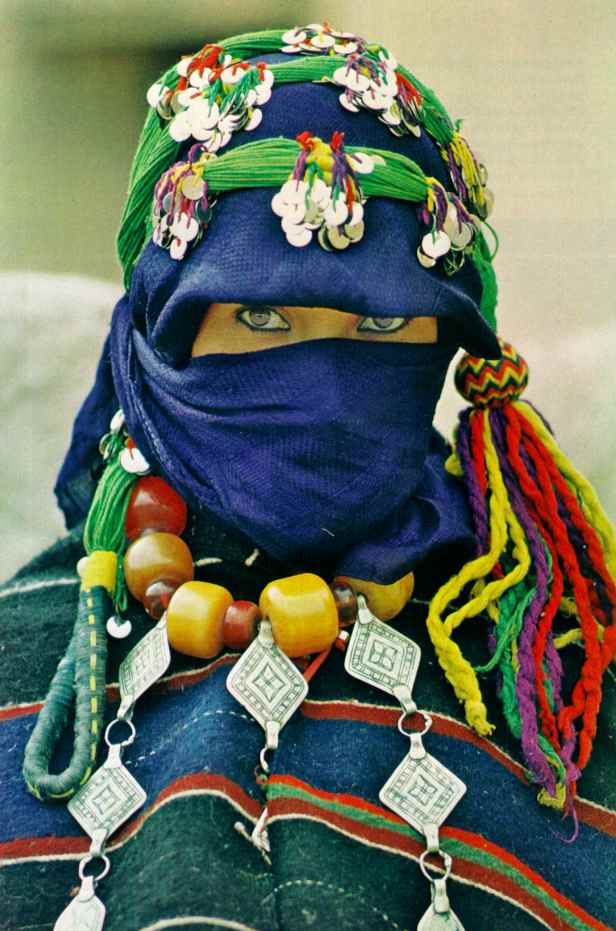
{"x":195,"y":618}
{"x":385,"y":601}
{"x":303,"y":613}
{"x":155,"y":556}
{"x":154,"y":505}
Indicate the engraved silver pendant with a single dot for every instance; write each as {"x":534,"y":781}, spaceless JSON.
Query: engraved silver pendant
{"x":86,"y":912}
{"x":267,"y":684}
{"x":382,"y":657}
{"x":440,"y":916}
{"x":108,"y":799}
{"x":82,"y":916}
{"x":145,"y":663}
{"x":423,"y":792}
{"x":439,"y":921}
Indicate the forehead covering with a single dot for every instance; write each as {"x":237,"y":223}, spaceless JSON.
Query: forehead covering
{"x":245,"y":257}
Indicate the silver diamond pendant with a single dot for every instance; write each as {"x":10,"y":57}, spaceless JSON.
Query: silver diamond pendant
{"x":108,"y":799}
{"x":423,"y":792}
{"x":145,"y":663}
{"x":382,"y":657}
{"x":267,"y":684}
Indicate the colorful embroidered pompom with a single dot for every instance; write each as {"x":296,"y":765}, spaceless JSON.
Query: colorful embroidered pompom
{"x":323,"y":194}
{"x":491,"y":382}
{"x":215,"y":96}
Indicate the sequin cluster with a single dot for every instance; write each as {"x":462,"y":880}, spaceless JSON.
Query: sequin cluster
{"x":369,"y":76}
{"x":323,"y":194}
{"x":183,"y":206}
{"x":469,"y":175}
{"x":320,"y":38}
{"x":371,"y":82}
{"x":453,"y":229}
{"x":214,"y":97}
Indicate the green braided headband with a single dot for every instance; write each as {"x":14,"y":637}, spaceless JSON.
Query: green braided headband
{"x":216,"y":88}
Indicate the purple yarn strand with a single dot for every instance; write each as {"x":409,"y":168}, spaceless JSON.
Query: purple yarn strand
{"x":525,"y":680}
{"x":475,"y":496}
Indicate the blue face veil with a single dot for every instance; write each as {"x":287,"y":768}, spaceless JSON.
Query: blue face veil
{"x":315,"y":451}
{"x":319,"y":452}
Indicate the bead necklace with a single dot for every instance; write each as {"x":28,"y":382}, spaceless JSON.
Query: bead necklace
{"x":284,"y":639}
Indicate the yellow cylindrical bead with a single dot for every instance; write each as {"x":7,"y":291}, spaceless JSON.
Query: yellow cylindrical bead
{"x":303,"y":613}
{"x":195,"y":618}
{"x":155,"y":556}
{"x":100,"y":569}
{"x":385,"y":601}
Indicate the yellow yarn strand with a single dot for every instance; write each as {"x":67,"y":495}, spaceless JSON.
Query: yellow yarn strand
{"x":458,"y":670}
{"x":576,"y":635}
{"x":466,"y":163}
{"x":589,"y":501}
{"x":504,"y":527}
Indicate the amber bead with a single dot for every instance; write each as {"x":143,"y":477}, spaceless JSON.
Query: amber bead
{"x":385,"y":601}
{"x":195,"y":618}
{"x":157,"y":597}
{"x":302,"y":612}
{"x":154,"y":505}
{"x":155,"y":556}
{"x":346,"y":604}
{"x":240,"y":624}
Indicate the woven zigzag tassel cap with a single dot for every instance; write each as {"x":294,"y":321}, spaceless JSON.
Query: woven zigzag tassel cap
{"x":543,"y":578}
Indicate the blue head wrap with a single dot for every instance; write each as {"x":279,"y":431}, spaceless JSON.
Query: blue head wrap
{"x":322,"y":450}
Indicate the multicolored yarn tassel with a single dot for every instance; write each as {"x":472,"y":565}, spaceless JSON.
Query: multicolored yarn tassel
{"x":546,"y":553}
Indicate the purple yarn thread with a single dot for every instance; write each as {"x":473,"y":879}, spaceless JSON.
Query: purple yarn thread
{"x":475,"y":496}
{"x":525,"y":680}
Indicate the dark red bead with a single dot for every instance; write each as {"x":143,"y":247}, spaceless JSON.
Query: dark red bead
{"x":154,"y":505}
{"x":157,"y":597}
{"x":346,"y":603}
{"x":240,"y":624}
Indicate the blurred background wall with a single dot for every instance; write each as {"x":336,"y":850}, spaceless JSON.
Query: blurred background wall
{"x":534,"y":82}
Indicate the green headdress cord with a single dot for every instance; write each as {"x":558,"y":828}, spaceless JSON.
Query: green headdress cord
{"x":80,"y":676}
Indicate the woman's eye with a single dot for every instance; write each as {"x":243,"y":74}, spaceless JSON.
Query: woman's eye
{"x":262,"y":318}
{"x":382,"y":324}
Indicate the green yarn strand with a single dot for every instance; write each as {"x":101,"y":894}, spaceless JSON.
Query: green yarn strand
{"x":104,"y":528}
{"x":77,"y":678}
{"x":269,"y":162}
{"x":265,"y":163}
{"x":489,"y":288}
{"x":249,"y":44}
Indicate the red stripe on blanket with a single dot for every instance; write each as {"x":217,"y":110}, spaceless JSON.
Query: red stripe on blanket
{"x":600,"y":818}
{"x":179,"y":680}
{"x":25,"y":847}
{"x":464,"y":868}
